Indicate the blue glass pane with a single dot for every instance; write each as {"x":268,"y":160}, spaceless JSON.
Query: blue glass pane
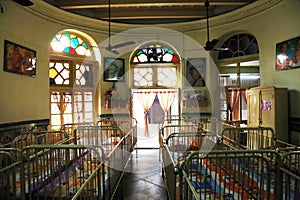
{"x":85,"y":45}
{"x":67,"y":35}
{"x":67,"y":50}
{"x":171,"y":52}
{"x":74,"y":43}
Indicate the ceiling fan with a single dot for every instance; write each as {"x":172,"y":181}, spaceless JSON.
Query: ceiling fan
{"x":210,"y":45}
{"x":113,"y":48}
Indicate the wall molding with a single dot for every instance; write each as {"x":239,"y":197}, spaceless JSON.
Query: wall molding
{"x":51,"y":13}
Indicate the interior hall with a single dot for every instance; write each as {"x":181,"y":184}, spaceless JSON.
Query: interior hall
{"x":154,"y":99}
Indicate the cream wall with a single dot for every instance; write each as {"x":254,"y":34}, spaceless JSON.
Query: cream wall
{"x":22,"y":97}
{"x":26,"y":98}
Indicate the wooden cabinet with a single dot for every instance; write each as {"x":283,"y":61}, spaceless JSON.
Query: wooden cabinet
{"x":267,"y":106}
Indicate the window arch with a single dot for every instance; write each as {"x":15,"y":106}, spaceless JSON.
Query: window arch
{"x":239,"y":45}
{"x":155,"y":53}
{"x":239,"y":70}
{"x":70,"y":44}
{"x":71,"y":80}
{"x":155,"y":65}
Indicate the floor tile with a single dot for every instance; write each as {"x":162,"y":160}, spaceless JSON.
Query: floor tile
{"x":142,"y":178}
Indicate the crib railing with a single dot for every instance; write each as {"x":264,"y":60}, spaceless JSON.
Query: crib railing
{"x":117,"y":154}
{"x":176,"y":149}
{"x":51,"y":172}
{"x":234,"y":174}
{"x":37,"y":137}
{"x":70,"y":127}
{"x":249,"y":137}
{"x":241,"y":174}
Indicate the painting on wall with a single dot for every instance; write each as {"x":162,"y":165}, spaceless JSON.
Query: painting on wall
{"x":114,"y":69}
{"x":288,"y":54}
{"x":19,"y":59}
{"x":195,"y":72}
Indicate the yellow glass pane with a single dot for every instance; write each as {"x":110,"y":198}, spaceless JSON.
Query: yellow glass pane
{"x":52,"y":73}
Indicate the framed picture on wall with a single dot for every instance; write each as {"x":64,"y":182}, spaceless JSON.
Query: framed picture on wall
{"x":19,"y":59}
{"x":114,"y":69}
{"x":288,"y":54}
{"x":195,"y":72}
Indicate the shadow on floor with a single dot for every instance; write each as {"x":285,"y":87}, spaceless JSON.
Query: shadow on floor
{"x":142,"y":179}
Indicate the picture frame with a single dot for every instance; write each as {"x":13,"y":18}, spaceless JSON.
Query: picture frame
{"x":114,"y":70}
{"x":288,"y":54}
{"x":19,"y":59}
{"x":195,"y":72}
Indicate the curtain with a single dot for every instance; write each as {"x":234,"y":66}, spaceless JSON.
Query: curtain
{"x":165,"y":99}
{"x":243,"y":91}
{"x":146,"y":99}
{"x":232,"y":101}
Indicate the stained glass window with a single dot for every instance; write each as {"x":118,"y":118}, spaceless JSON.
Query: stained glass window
{"x":155,"y":53}
{"x":70,"y":44}
{"x":68,"y":78}
{"x":157,"y":75}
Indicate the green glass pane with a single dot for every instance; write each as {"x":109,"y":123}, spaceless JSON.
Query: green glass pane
{"x":139,"y":52}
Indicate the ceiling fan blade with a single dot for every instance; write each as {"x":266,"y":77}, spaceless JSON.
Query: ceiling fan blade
{"x":210,"y":45}
{"x":122,"y":44}
{"x":112,"y":50}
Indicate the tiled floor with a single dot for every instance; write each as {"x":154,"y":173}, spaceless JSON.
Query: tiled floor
{"x":142,"y":178}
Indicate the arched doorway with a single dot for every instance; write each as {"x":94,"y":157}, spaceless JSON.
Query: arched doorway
{"x":155,"y":90}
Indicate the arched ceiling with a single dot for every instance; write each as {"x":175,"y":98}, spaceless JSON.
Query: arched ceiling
{"x":150,"y":11}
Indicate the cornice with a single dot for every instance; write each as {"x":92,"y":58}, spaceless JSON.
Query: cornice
{"x":71,"y":20}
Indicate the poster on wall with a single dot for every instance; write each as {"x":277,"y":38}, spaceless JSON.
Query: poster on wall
{"x":195,"y":72}
{"x":114,"y":69}
{"x":19,"y":59}
{"x":288,"y":54}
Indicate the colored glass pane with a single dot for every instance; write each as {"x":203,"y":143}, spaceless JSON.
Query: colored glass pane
{"x":69,"y":43}
{"x":67,"y":50}
{"x":175,"y":59}
{"x":52,"y":73}
{"x":74,"y":43}
{"x":139,"y":53}
{"x":155,"y":53}
{"x":72,"y":51}
{"x":85,"y":45}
